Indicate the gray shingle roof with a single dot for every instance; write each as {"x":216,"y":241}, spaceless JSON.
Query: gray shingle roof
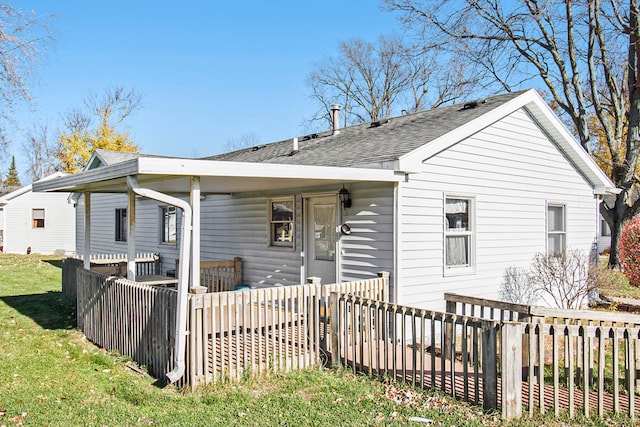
{"x":113,"y":157}
{"x":365,"y":144}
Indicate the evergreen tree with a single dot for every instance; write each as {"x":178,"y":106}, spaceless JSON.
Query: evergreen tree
{"x":12,"y":175}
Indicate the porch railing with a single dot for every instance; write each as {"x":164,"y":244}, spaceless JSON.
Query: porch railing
{"x":253,"y":332}
{"x":219,"y":276}
{"x":147,"y":264}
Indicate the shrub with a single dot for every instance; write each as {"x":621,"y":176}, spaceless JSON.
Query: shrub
{"x":568,"y":278}
{"x":517,"y":286}
{"x":630,"y":251}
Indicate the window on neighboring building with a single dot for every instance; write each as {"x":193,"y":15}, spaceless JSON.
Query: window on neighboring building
{"x":458,"y":232}
{"x":121,"y":225}
{"x":281,"y":222}
{"x":556,"y":229}
{"x":168,"y":224}
{"x":606,"y":230}
{"x":37,"y":216}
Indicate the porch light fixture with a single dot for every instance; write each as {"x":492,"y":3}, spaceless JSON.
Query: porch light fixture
{"x":345,"y":197}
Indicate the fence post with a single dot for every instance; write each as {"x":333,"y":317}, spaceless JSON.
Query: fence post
{"x":489,"y":366}
{"x":334,"y":322}
{"x":449,"y":329}
{"x":384,"y":275}
{"x":512,"y":334}
{"x":237,"y":266}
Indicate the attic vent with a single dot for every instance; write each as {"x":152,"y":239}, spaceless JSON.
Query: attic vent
{"x":473,"y":104}
{"x":378,"y":123}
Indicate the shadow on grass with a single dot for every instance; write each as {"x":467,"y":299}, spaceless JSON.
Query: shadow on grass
{"x":49,"y":310}
{"x":55,"y":262}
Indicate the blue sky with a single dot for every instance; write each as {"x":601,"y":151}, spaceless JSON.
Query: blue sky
{"x":209,"y":70}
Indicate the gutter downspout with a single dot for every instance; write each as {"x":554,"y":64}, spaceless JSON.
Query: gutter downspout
{"x":183,"y":274}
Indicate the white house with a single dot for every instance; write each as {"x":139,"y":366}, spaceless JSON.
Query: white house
{"x":444,"y":200}
{"x":37,"y":222}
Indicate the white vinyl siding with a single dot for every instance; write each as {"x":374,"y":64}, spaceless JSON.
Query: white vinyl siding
{"x":53,"y":212}
{"x":237,"y":226}
{"x":512,"y":170}
{"x":148,"y":224}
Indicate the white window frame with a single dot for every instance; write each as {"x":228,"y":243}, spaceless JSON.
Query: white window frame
{"x":121,"y":226}
{"x":273,"y":240}
{"x":165,"y":213}
{"x":470,"y":233}
{"x":562,"y":232}
{"x":34,"y":219}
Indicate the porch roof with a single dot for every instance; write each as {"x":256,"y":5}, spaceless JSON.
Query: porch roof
{"x":172,"y":175}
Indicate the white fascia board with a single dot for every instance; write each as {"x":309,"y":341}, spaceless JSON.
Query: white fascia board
{"x":203,"y":168}
{"x":105,"y":173}
{"x":172,"y":167}
{"x":15,"y":193}
{"x":541,"y":112}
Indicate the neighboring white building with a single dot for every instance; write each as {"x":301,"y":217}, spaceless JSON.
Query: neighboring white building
{"x":37,"y":222}
{"x":445,"y":200}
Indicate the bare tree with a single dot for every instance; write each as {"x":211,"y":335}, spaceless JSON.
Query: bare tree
{"x":245,"y":140}
{"x":40,"y":152}
{"x":24,"y":40}
{"x":582,"y":55}
{"x":373,"y":80}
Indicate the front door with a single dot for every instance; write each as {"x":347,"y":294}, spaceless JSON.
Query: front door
{"x":321,"y":238}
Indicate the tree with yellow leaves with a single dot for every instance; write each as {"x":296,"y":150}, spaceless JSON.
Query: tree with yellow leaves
{"x":84,"y":133}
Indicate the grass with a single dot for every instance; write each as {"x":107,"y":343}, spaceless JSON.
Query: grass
{"x":51,"y":375}
{"x":614,"y":283}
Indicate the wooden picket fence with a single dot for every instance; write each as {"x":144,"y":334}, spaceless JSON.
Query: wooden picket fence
{"x":578,"y":361}
{"x":231,"y":335}
{"x":134,"y":319}
{"x":453,"y":353}
{"x":234,"y":335}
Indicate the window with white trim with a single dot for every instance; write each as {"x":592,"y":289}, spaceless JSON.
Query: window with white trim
{"x":37,"y":216}
{"x":281,"y":222}
{"x":458,"y":233}
{"x":556,"y":229}
{"x":168,"y":232}
{"x":121,"y":225}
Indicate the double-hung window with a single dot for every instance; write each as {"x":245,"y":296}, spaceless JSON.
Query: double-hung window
{"x":458,"y":234}
{"x":121,"y":225}
{"x":556,"y":229}
{"x":37,"y":216}
{"x":168,"y":234}
{"x":281,"y":222}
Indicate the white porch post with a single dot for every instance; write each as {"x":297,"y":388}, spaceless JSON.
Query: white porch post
{"x":131,"y":237}
{"x":195,"y":234}
{"x":87,"y":231}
